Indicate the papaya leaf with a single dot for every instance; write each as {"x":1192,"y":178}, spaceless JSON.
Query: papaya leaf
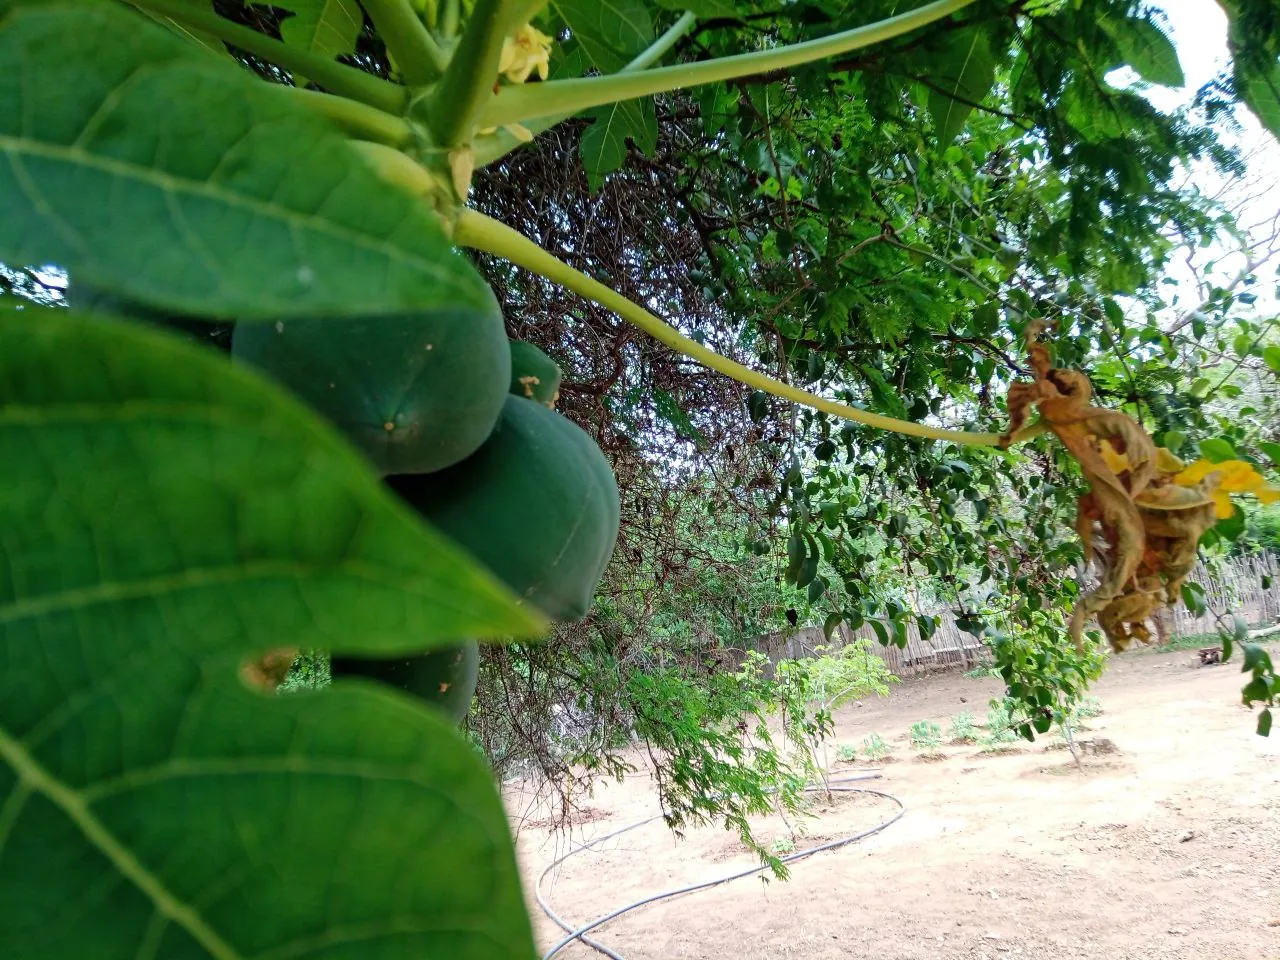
{"x":327,"y":27}
{"x":1256,"y":69}
{"x":608,"y":36}
{"x":603,"y":146}
{"x":1260,"y":90}
{"x":166,"y":516}
{"x":1145,"y":48}
{"x":966,"y":71}
{"x":703,"y":9}
{"x":190,"y":34}
{"x":162,"y":175}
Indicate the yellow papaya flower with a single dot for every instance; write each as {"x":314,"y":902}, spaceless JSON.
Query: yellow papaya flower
{"x":525,"y":52}
{"x":1234,"y":476}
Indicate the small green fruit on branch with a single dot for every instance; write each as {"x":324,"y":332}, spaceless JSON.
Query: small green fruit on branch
{"x":479,"y":232}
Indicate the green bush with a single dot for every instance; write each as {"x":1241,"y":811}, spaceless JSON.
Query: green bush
{"x":963,"y":728}
{"x":875,"y":748}
{"x":926,"y":735}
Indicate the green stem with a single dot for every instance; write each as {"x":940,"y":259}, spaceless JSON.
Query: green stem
{"x":357,"y":119}
{"x":396,"y":167}
{"x":498,"y":145}
{"x":449,"y":18}
{"x":521,"y":12}
{"x":468,"y":83}
{"x":516,"y":103}
{"x":659,"y":48}
{"x":479,"y":232}
{"x":415,"y":51}
{"x":340,"y":79}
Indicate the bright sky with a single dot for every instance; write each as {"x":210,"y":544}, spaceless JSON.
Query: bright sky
{"x":1199,"y":31}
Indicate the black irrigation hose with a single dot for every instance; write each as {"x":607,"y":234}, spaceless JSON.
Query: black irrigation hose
{"x":579,"y":933}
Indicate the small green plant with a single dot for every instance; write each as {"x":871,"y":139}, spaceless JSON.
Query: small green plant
{"x":846,"y":753}
{"x":1000,"y":724}
{"x":875,"y":748}
{"x":782,"y":846}
{"x":963,"y":728}
{"x":837,"y":676}
{"x":983,"y":671}
{"x":1086,"y":709}
{"x":926,"y":735}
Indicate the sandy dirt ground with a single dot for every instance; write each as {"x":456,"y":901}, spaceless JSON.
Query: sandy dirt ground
{"x":1168,"y":847}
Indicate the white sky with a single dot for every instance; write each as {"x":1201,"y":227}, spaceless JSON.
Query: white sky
{"x":1198,"y":29}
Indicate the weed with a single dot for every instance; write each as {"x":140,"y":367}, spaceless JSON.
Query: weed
{"x":1087,"y":708}
{"x":875,"y":748}
{"x":999,"y":724}
{"x":963,"y":728}
{"x":783,"y":845}
{"x":926,"y":735}
{"x":846,"y":753}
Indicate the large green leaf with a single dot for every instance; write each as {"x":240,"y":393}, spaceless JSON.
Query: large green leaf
{"x":327,"y":27}
{"x":964,"y":76}
{"x":1253,"y":36}
{"x":1260,"y":90}
{"x":703,"y":9}
{"x":157,"y":173}
{"x":1145,"y":48}
{"x":604,"y":144}
{"x":609,"y":33}
{"x":190,"y":34}
{"x":166,"y":515}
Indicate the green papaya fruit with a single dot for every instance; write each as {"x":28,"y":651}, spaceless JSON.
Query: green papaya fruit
{"x":537,"y":505}
{"x":89,"y":299}
{"x":534,"y":375}
{"x":415,"y":392}
{"x":446,"y":679}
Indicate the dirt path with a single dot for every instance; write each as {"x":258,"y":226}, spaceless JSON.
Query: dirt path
{"x":1167,"y":848}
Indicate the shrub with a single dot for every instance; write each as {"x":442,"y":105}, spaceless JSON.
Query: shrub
{"x":926,"y":735}
{"x":875,"y":748}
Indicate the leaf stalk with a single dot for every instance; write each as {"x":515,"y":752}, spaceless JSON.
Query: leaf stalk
{"x":479,"y":232}
{"x":518,"y":103}
{"x":333,"y":76}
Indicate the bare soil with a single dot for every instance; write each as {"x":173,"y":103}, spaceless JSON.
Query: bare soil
{"x":1166,"y":845}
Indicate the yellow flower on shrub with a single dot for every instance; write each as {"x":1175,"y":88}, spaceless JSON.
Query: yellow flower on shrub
{"x":1235,"y":476}
{"x":526,"y":52}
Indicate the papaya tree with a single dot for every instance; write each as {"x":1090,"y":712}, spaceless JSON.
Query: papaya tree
{"x":374,"y":470}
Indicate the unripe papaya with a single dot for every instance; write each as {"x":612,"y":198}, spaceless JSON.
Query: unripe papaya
{"x":534,"y":375}
{"x":416,"y":392}
{"x":89,"y":299}
{"x":537,"y":505}
{"x":446,"y":679}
